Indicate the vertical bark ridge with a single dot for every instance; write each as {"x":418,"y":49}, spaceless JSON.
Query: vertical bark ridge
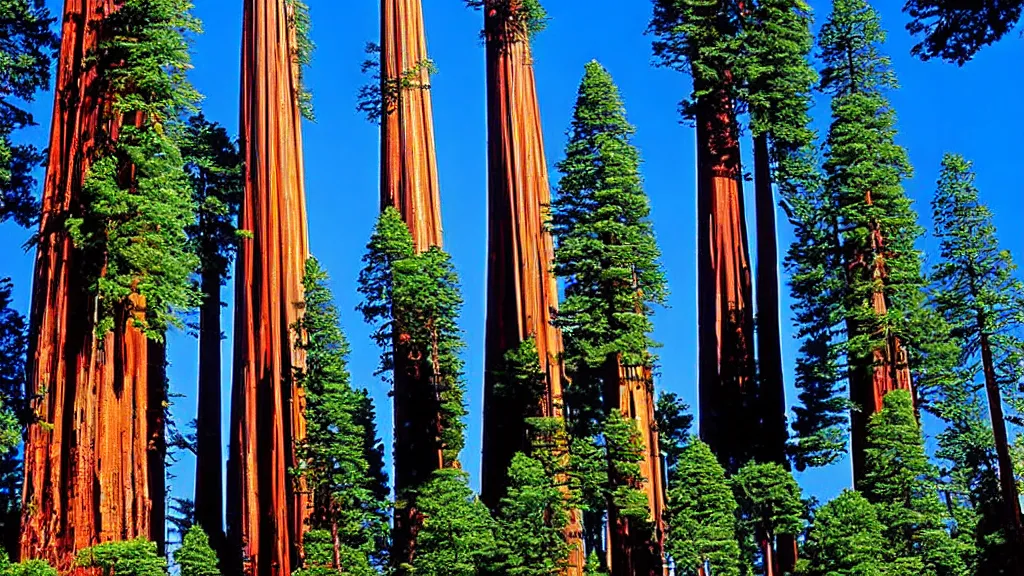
{"x":725,"y":317}
{"x":209,"y":490}
{"x":267,"y":508}
{"x":94,"y":459}
{"x":521,"y":290}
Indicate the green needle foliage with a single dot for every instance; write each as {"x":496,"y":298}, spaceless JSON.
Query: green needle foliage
{"x":14,"y":410}
{"x":702,"y":515}
{"x":845,"y":540}
{"x":28,"y":46}
{"x":899,"y":481}
{"x":341,"y":463}
{"x":955,"y":31}
{"x":302,"y":24}
{"x":416,"y":298}
{"x":769,"y":501}
{"x":457,"y":537}
{"x":195,"y":557}
{"x":674,"y":422}
{"x":27,"y":568}
{"x":137,"y":196}
{"x":862,"y":223}
{"x":124,"y":558}
{"x":214,"y":165}
{"x":527,"y":16}
{"x":531,"y":521}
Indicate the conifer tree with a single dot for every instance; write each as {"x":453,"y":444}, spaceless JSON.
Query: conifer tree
{"x":14,"y":414}
{"x":770,"y":506}
{"x":123,"y":558}
{"x":845,"y":539}
{"x":27,"y":49}
{"x":348,"y":490}
{"x":457,"y":537}
{"x":132,"y":231}
{"x":702,"y":515}
{"x":863,"y":225}
{"x":957,"y":32}
{"x":674,"y":423}
{"x":195,"y":557}
{"x":214,"y":167}
{"x":978,"y":294}
{"x":899,"y":481}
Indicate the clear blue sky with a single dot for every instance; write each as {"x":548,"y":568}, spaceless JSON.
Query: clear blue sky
{"x":973,"y":110}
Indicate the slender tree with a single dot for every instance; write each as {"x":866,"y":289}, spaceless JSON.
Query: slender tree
{"x":214,"y":167}
{"x":977,"y":292}
{"x":957,"y":32}
{"x":346,"y":487}
{"x":14,"y":415}
{"x":899,"y":481}
{"x":703,"y":538}
{"x":771,"y":511}
{"x":457,"y":536}
{"x":27,"y":49}
{"x":674,"y":424}
{"x":845,"y":539}
{"x":196,"y":557}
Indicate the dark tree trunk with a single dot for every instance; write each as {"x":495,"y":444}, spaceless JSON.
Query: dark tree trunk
{"x":209,"y":492}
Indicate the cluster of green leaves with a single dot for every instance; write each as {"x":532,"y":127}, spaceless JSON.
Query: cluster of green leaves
{"x":137,"y":196}
{"x":413,"y":301}
{"x":302,"y":52}
{"x":27,"y":568}
{"x":123,"y":558}
{"x":214,"y":166}
{"x":27,"y":49}
{"x":457,"y":536}
{"x":342,"y":459}
{"x":955,"y":31}
{"x":769,"y":502}
{"x":381,"y":96}
{"x":674,"y":422}
{"x":845,"y":539}
{"x":14,"y":410}
{"x":195,"y":557}
{"x":526,"y":17}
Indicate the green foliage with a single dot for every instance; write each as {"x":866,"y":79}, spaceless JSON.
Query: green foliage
{"x":132,"y":229}
{"x":26,"y":568}
{"x":957,"y":32}
{"x":14,"y":409}
{"x":195,"y":557}
{"x":527,"y":17}
{"x":898,"y":480}
{"x":674,"y":422}
{"x":594,"y":566}
{"x":625,"y":452}
{"x":340,"y":454}
{"x":769,"y":500}
{"x":457,"y":537}
{"x":531,"y":521}
{"x":214,"y":166}
{"x":302,"y":53}
{"x":415,"y":299}
{"x":123,"y":558}
{"x":27,"y":49}
{"x":319,"y":560}
{"x":381,"y":96}
{"x":702,"y":515}
{"x":845,"y":540}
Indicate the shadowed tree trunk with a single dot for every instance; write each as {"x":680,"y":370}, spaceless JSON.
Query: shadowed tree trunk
{"x":267,"y":507}
{"x":93,"y":467}
{"x":521,"y":290}
{"x":209,"y":492}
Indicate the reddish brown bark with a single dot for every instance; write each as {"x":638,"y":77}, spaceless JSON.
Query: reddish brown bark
{"x":521,"y":291}
{"x":209,"y":490}
{"x":94,"y":459}
{"x":633,"y":550}
{"x":267,"y":507}
{"x":409,"y":183}
{"x":725,"y":319}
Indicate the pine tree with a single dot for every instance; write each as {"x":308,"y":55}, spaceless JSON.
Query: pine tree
{"x":956,"y":32}
{"x":674,"y":423}
{"x":195,"y":557}
{"x":26,"y":53}
{"x":869,"y":233}
{"x":770,"y":507}
{"x":348,"y":490}
{"x":214,"y":167}
{"x":14,"y":414}
{"x":133,"y":231}
{"x":977,"y":293}
{"x":899,"y":481}
{"x":457,"y":537}
{"x":845,"y":539}
{"x":123,"y":558}
{"x":702,"y":515}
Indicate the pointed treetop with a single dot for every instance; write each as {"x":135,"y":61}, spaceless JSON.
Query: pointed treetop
{"x":850,"y":46}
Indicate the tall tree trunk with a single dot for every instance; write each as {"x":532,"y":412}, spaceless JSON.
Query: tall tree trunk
{"x":725,"y":316}
{"x":769,"y":557}
{"x":1007,"y":480}
{"x":771,"y":405}
{"x":209,"y":490}
{"x":267,"y":506}
{"x":521,"y":290}
{"x":89,"y":460}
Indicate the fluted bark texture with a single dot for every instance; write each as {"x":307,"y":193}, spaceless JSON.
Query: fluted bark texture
{"x":267,"y":508}
{"x":521,"y":290}
{"x":725,"y":315}
{"x":94,"y":469}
